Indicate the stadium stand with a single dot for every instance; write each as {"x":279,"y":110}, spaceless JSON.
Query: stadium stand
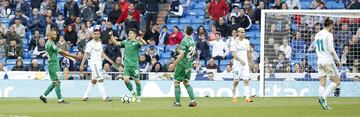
{"x":194,"y":15}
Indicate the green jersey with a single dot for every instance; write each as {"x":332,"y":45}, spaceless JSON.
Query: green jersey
{"x":131,"y":53}
{"x":52,"y":52}
{"x":187,"y":46}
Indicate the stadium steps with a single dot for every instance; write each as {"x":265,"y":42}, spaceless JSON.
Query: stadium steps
{"x":162,"y":13}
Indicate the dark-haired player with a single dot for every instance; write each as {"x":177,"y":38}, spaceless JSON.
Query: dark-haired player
{"x":183,"y":68}
{"x":131,"y":62}
{"x":327,"y":62}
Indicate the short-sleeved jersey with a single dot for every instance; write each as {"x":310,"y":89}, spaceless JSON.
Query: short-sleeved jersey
{"x":52,"y":52}
{"x":94,"y":48}
{"x":241,"y":48}
{"x":324,"y":44}
{"x":131,"y":52}
{"x":187,"y":46}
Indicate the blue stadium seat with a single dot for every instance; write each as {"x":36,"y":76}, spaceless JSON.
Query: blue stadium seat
{"x":222,"y":67}
{"x":161,"y":48}
{"x":255,"y":27}
{"x":10,"y":66}
{"x":257,"y":34}
{"x":183,"y":26}
{"x":26,"y":61}
{"x":298,"y":46}
{"x":185,"y":21}
{"x":294,"y":61}
{"x":255,"y":41}
{"x":173,"y":21}
{"x":299,"y":55}
{"x":166,"y":55}
{"x":170,"y":27}
{"x":11,"y":61}
{"x":5,"y":20}
{"x":250,"y":34}
{"x":163,"y":62}
{"x":224,"y":62}
{"x":305,"y":5}
{"x":42,"y":61}
{"x":191,"y":13}
{"x":195,"y":26}
{"x":46,"y":66}
{"x":197,"y":21}
{"x":202,"y":62}
{"x":182,"y":1}
{"x":170,"y":48}
{"x":27,"y":55}
{"x":198,"y":6}
{"x":74,"y":49}
{"x":88,"y":69}
{"x":200,"y":12}
{"x":257,"y":48}
{"x":61,"y":5}
{"x":334,"y":5}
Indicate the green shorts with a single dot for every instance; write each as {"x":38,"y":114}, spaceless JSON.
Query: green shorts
{"x":133,"y":72}
{"x":53,"y":69}
{"x":183,"y":72}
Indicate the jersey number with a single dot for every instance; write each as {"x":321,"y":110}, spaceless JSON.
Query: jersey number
{"x":191,"y":52}
{"x":320,"y":45}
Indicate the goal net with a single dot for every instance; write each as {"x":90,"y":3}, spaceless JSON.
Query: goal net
{"x":289,"y":60}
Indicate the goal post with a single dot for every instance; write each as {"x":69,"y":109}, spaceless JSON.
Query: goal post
{"x":288,"y":64}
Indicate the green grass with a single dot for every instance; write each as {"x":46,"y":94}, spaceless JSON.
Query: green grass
{"x":161,"y":107}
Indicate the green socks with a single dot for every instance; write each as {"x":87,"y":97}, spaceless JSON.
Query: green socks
{"x":129,"y":86}
{"x":58,"y":90}
{"x":177,"y":93}
{"x":190,"y":92}
{"x":138,"y":89}
{"x":49,"y":89}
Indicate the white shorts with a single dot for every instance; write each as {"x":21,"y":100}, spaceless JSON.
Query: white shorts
{"x":327,"y":70}
{"x":96,"y":71}
{"x":241,"y":72}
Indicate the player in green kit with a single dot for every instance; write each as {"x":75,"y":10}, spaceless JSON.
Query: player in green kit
{"x":131,"y":62}
{"x":54,"y":66}
{"x":183,"y":68}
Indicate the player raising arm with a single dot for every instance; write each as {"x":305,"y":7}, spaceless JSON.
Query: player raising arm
{"x":131,"y":62}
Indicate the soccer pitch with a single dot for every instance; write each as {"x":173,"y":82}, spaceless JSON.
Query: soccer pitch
{"x":162,"y":107}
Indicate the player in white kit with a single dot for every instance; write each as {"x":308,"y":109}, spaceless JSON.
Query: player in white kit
{"x":240,"y":49}
{"x":95,"y":50}
{"x":327,"y":59}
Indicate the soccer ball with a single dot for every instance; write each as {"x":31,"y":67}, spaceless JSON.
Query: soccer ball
{"x":126,"y":99}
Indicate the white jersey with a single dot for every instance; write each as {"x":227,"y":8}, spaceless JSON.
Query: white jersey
{"x":324,"y":45}
{"x":94,"y":48}
{"x":241,"y":48}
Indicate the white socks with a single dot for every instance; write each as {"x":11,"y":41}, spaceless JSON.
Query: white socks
{"x":102,"y":90}
{"x":247,"y":91}
{"x":235,"y":90}
{"x":321,"y":90}
{"x":88,"y":89}
{"x":329,"y":90}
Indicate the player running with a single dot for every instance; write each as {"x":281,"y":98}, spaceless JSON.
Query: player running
{"x":95,"y":50}
{"x":54,"y":66}
{"x":326,"y":66}
{"x":131,"y":62}
{"x":240,"y":49}
{"x":183,"y":68}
